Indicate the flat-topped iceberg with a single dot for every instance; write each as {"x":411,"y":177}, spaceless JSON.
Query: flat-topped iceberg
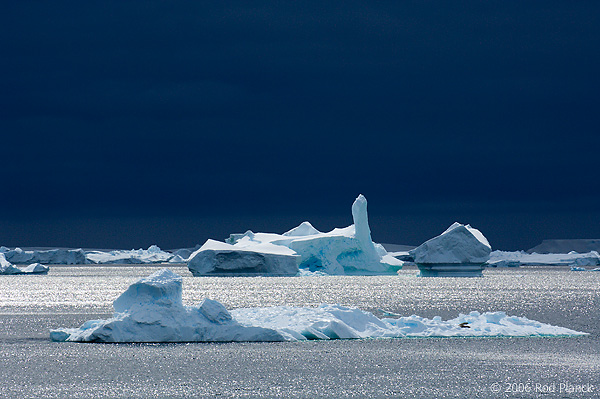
{"x":130,"y":257}
{"x":222,"y":259}
{"x":151,"y":310}
{"x":526,"y":259}
{"x":347,"y":250}
{"x":58,"y":256}
{"x":8,"y":268}
{"x":461,"y":250}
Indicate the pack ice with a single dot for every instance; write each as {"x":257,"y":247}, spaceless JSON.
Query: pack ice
{"x":461,"y":250}
{"x":8,"y":268}
{"x":347,"y":250}
{"x":151,"y":310}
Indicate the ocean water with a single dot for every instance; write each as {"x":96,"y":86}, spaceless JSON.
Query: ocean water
{"x":31,"y":366}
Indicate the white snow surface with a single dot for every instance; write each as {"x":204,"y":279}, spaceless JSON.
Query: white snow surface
{"x":48,"y":257}
{"x":135,"y":256}
{"x":525,"y":259}
{"x":348,"y":250}
{"x":150,"y":310}
{"x":340,"y":322}
{"x":461,"y":244}
{"x":264,"y":258}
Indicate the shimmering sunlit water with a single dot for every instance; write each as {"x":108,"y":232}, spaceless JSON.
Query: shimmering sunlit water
{"x":32,"y":366}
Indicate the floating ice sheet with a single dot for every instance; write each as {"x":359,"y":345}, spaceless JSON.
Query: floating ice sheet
{"x":150,"y":310}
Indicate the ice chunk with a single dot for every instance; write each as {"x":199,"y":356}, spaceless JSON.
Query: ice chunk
{"x":49,"y":257}
{"x":219,"y":258}
{"x":577,"y":269}
{"x":135,"y":256}
{"x":150,"y":310}
{"x":347,"y":250}
{"x":35,"y":268}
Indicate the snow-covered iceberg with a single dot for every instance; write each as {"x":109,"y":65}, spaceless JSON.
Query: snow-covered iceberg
{"x":8,"y":268}
{"x":216,"y":258}
{"x":347,"y":250}
{"x":58,"y":256}
{"x":151,"y":310}
{"x":135,"y":256}
{"x":461,"y":250}
{"x":526,"y":259}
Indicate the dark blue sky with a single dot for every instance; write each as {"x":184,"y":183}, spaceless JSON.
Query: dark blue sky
{"x":131,"y":123}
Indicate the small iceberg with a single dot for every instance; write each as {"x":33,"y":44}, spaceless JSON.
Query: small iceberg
{"x":151,"y":310}
{"x":460,"y":251}
{"x":7,"y":268}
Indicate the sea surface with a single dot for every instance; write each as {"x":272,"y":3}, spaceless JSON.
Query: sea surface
{"x":31,"y":366}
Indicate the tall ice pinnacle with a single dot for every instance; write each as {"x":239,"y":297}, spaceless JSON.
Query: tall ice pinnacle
{"x":361,"y":223}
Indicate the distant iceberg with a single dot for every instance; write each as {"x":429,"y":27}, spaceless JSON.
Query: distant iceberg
{"x":49,"y":257}
{"x":348,"y":250}
{"x":8,"y":268}
{"x":129,"y":257}
{"x":151,"y":310}
{"x":461,"y":250}
{"x":522,"y":258}
{"x":222,"y":259}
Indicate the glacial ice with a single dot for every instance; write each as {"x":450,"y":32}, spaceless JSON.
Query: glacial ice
{"x":8,"y":268}
{"x":151,"y":310}
{"x":135,"y":256}
{"x":341,"y":251}
{"x":222,"y":259}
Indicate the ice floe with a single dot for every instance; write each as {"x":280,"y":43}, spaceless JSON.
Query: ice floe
{"x":341,"y":251}
{"x":151,"y":310}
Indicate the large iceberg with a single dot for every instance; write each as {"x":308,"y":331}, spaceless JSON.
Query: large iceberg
{"x":8,"y":268}
{"x":58,"y":256}
{"x":151,"y":310}
{"x":216,"y":258}
{"x":347,"y":250}
{"x":461,"y":250}
{"x":135,"y":256}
